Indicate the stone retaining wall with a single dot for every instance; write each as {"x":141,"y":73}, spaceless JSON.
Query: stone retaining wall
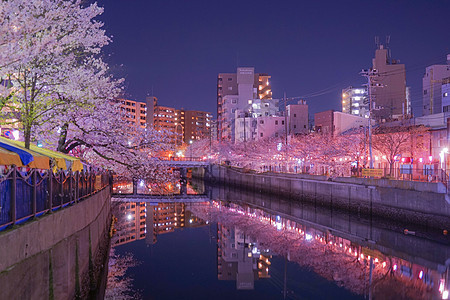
{"x":423,"y":203}
{"x":49,"y":258}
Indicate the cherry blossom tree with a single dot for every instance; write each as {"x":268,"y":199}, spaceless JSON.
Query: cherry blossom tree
{"x":44,"y":44}
{"x":395,"y":141}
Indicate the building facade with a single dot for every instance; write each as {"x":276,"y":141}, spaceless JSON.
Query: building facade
{"x":355,"y":101}
{"x":388,"y":90}
{"x":185,"y":124}
{"x":432,"y":83}
{"x":335,"y":122}
{"x":247,"y":86}
{"x":196,"y":125}
{"x":446,"y":94}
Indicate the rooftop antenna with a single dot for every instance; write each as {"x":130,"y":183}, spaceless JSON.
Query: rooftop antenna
{"x":377,"y":42}
{"x":388,"y":40}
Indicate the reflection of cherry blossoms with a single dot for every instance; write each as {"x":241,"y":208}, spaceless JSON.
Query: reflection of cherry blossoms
{"x":119,"y":286}
{"x":344,"y":264}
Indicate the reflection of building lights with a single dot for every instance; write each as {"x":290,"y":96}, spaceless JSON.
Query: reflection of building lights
{"x":445,"y":295}
{"x":420,"y":274}
{"x":308,"y":237}
{"x":441,"y":286}
{"x":395,"y":268}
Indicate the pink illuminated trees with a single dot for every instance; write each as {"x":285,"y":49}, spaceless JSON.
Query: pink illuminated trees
{"x":58,"y":89}
{"x":47,"y":47}
{"x":393,"y":142}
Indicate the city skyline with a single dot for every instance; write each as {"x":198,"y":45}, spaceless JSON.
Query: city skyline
{"x":175,"y":51}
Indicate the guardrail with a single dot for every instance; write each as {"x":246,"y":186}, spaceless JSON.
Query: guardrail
{"x":28,"y":194}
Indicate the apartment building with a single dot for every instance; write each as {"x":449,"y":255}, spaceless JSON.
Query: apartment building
{"x":245,"y":85}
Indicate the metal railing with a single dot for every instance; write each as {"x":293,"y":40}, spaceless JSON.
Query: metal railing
{"x":188,"y":158}
{"x":426,"y":174}
{"x":29,"y":194}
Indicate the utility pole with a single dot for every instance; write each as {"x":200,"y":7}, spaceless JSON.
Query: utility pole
{"x":370,"y":74}
{"x":286,"y":131}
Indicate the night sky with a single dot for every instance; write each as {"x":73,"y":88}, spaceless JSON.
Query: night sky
{"x":177,"y":48}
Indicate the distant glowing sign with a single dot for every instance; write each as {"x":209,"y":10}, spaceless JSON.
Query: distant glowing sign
{"x":372,"y":172}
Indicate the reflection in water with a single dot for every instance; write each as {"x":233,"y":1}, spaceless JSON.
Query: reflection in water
{"x":239,"y":258}
{"x":119,"y":286}
{"x":249,"y":236}
{"x":141,"y":220}
{"x":332,"y":257}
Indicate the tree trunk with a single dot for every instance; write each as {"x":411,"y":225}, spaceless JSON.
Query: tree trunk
{"x":27,"y":136}
{"x":62,"y":138}
{"x":391,"y":168}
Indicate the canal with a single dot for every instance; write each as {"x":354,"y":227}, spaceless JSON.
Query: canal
{"x":245,"y":245}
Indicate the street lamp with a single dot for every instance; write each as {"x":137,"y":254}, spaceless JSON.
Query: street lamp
{"x":190,"y":147}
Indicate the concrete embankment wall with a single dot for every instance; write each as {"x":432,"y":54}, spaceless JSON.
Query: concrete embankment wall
{"x":422,"y":203}
{"x":386,"y":237}
{"x":49,"y":258}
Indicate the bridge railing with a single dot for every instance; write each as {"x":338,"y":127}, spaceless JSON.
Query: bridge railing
{"x":27,"y":194}
{"x":184,"y":159}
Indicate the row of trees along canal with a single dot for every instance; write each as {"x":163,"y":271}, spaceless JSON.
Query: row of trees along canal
{"x":319,"y":153}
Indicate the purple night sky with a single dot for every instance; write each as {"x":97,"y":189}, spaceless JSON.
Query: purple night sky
{"x":177,"y":48}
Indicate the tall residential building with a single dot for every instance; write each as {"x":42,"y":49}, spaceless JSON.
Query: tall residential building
{"x":188,"y":125}
{"x":196,"y":124}
{"x":136,"y":112}
{"x":432,"y":87}
{"x":355,"y":101}
{"x":244,"y":84}
{"x":389,"y":100}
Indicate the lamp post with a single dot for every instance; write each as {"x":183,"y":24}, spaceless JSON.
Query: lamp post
{"x":190,"y":148}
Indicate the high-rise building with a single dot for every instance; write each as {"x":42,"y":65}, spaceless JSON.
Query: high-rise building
{"x":186,"y":124}
{"x":432,"y":88}
{"x":388,"y":91}
{"x":355,"y":101}
{"x":196,"y":124}
{"x":136,"y":112}
{"x":244,"y":86}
